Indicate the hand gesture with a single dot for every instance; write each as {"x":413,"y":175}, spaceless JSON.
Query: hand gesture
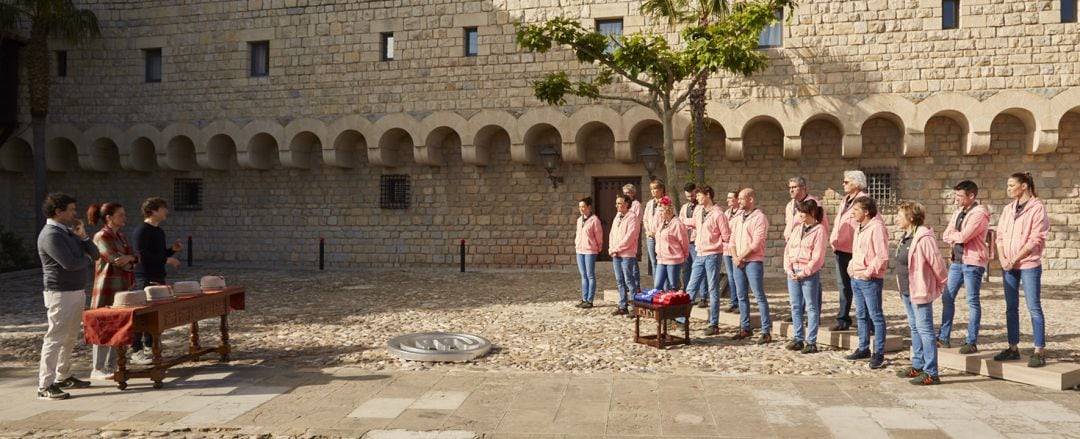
{"x":125,"y":260}
{"x":173,"y":262}
{"x":177,"y":246}
{"x":79,"y":230}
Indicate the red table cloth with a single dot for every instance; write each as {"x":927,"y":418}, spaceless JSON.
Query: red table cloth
{"x":112,"y":326}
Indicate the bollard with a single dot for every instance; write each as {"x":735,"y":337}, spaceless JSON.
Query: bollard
{"x":189,"y":251}
{"x":462,"y":255}
{"x":322,"y":252}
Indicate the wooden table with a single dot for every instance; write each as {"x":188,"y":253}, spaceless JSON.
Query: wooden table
{"x":156,"y":317}
{"x":661,"y":313}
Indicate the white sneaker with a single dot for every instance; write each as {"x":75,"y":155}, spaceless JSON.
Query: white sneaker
{"x":101,"y":375}
{"x":141,"y":358}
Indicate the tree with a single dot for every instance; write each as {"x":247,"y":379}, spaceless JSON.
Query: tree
{"x":46,"y":19}
{"x":699,"y":13}
{"x":663,"y":75}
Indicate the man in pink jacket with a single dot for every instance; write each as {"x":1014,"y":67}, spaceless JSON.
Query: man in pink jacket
{"x":650,"y":221}
{"x":869,"y":259}
{"x":687,"y":216}
{"x":966,"y":235}
{"x":841,"y":236}
{"x":712,"y":232}
{"x":622,"y":246}
{"x":635,"y":208}
{"x":726,"y":279}
{"x":748,"y":256}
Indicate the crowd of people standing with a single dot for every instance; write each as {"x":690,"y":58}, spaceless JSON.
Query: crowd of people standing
{"x":704,"y":249}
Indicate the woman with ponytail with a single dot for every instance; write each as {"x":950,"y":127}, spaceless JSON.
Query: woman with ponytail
{"x":1022,"y":230}
{"x":804,"y":256}
{"x":113,"y":272}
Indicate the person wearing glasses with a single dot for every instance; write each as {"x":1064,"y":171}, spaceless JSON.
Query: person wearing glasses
{"x":797,"y":191}
{"x":841,"y":238}
{"x":732,"y":213}
{"x":966,"y":235}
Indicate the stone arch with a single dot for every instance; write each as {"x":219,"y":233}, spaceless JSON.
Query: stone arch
{"x":395,"y":148}
{"x":896,"y":109}
{"x":394,"y":128}
{"x":715,"y":141}
{"x":633,"y":121}
{"x":583,"y":124}
{"x":1010,"y":134}
{"x":138,"y":150}
{"x":960,"y":120}
{"x":762,"y":138}
{"x":305,"y":143}
{"x":1036,"y":112}
{"x":16,"y":155}
{"x":882,"y":135}
{"x":61,"y":155}
{"x":488,"y":141}
{"x":220,"y":153}
{"x":547,"y":120}
{"x":179,"y":147}
{"x":821,"y":137}
{"x":104,"y":155}
{"x":350,"y":148}
{"x":438,"y":142}
{"x":261,"y":150}
{"x":957,"y":107}
{"x":437,"y":124}
{"x":596,"y":141}
{"x":648,"y":132}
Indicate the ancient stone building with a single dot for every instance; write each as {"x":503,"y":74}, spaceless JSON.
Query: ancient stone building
{"x":276,"y":122}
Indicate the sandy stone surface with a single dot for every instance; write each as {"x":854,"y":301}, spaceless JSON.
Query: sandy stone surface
{"x":308,"y":318}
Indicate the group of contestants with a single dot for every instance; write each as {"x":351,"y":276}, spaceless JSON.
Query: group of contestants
{"x":705,"y":248}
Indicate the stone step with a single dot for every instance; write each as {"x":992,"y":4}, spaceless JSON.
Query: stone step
{"x":842,"y":339}
{"x":1055,"y":374}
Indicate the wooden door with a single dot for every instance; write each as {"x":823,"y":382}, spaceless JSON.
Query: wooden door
{"x":605,"y":189}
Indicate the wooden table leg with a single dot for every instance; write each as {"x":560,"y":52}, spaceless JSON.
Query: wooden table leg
{"x":637,"y":328}
{"x":194,"y":338}
{"x":121,"y":367}
{"x":157,"y":371}
{"x":224,"y":349}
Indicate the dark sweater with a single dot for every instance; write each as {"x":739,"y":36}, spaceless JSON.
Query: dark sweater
{"x":65,"y":259}
{"x":149,"y":242}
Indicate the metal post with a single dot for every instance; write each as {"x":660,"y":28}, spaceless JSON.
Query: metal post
{"x":462,"y":255}
{"x":189,"y":251}
{"x":322,"y":253}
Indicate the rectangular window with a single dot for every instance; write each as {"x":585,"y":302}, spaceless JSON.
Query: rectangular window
{"x":153,"y":65}
{"x":394,"y":192}
{"x":950,"y":14}
{"x":773,"y":35}
{"x":61,"y":63}
{"x":386,"y":46}
{"x":260,"y":58}
{"x":1068,"y":11}
{"x":187,"y":193}
{"x":472,"y":41}
{"x":611,"y":28}
{"x":881,"y":186}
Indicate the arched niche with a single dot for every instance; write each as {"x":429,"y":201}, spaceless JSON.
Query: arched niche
{"x":16,"y":155}
{"x":221,"y":153}
{"x":61,"y":155}
{"x":349,"y":150}
{"x":104,"y":155}
{"x":180,"y":154}
{"x":304,"y":150}
{"x":143,"y":155}
{"x":262,"y":152}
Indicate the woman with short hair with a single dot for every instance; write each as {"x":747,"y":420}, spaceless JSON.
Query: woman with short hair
{"x":920,"y":277}
{"x":804,"y":256}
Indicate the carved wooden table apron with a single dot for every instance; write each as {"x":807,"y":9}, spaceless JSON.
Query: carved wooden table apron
{"x":661,"y":314}
{"x":156,"y":318}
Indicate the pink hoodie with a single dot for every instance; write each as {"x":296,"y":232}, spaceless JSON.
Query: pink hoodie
{"x":635,"y":208}
{"x":806,"y":251}
{"x":843,"y":232}
{"x":1026,"y":232}
{"x":750,"y":234}
{"x":712,"y":231}
{"x":623,"y":240}
{"x":689,"y":222}
{"x":870,"y":250}
{"x":791,"y":217}
{"x":972,"y":235}
{"x":926,"y":268}
{"x":672,"y":242}
{"x":652,"y":217}
{"x":589,"y":238}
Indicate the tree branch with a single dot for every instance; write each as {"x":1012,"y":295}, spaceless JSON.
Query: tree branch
{"x":623,"y":98}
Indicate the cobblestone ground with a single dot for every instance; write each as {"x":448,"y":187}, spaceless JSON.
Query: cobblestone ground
{"x":307,"y":318}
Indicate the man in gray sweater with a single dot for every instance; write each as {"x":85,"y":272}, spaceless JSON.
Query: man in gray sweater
{"x":66,"y":253}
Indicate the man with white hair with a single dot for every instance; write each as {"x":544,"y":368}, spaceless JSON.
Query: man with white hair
{"x":841,"y":238}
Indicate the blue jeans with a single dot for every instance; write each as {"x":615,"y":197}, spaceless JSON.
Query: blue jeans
{"x":971,"y":276}
{"x":650,"y":245}
{"x":625,"y":278}
{"x":586,"y":265}
{"x":923,"y":348}
{"x":806,"y":293}
{"x":843,"y":285}
{"x":666,"y":276}
{"x":687,"y":267}
{"x":752,"y":276}
{"x":867,"y":294}
{"x":708,"y":268}
{"x":729,"y":268}
{"x":1032,"y":281}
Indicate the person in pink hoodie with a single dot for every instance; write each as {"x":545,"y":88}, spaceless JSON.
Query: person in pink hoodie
{"x":966,"y":235}
{"x":588,"y":239}
{"x":649,"y":221}
{"x":1022,"y":231}
{"x":804,"y":256}
{"x":672,"y":246}
{"x":920,"y":277}
{"x":622,"y":246}
{"x":869,"y":259}
{"x":712,"y":232}
{"x":797,"y":191}
{"x":748,"y":257}
{"x":686,"y":216}
{"x":841,"y":237}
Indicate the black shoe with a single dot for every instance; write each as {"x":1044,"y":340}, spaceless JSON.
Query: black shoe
{"x":743,"y":334}
{"x":877,"y":361}
{"x":711,"y":330}
{"x":858,"y":355}
{"x":52,"y":392}
{"x":1037,"y":360}
{"x":620,"y":312}
{"x":942,"y":344}
{"x":586,"y":305}
{"x":810,"y":348}
{"x":1007,"y":355}
{"x":794,"y":345}
{"x":73,"y":383}
{"x":840,"y":327}
{"x":765,"y":338}
{"x":733,"y":309}
{"x":580,"y":304}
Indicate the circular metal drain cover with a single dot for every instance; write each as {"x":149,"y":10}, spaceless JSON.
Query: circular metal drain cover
{"x":438,"y":346}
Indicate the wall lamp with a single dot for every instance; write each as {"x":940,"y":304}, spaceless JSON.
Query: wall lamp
{"x":551,"y":158}
{"x":650,"y":158}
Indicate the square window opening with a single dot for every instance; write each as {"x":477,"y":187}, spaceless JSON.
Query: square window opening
{"x":153,"y":65}
{"x":61,"y":64}
{"x":881,"y":185}
{"x":260,"y":58}
{"x":950,"y":14}
{"x":772,"y":35}
{"x":611,"y":28}
{"x":188,"y":194}
{"x":394,"y":191}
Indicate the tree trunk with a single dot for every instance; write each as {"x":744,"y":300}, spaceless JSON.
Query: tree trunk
{"x":667,"y":118}
{"x":697,"y":113}
{"x":40,"y":182}
{"x":38,"y":69}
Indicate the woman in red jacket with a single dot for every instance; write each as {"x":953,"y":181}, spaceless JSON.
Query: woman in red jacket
{"x":113,"y":272}
{"x":920,"y":277}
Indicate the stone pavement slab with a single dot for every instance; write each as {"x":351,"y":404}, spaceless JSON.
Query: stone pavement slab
{"x":344,"y":402}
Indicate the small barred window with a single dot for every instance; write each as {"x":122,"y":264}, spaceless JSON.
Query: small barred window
{"x":394,"y":192}
{"x":881,"y":186}
{"x":187,"y":193}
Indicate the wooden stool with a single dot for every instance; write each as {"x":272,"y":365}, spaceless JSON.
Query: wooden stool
{"x":661,"y":313}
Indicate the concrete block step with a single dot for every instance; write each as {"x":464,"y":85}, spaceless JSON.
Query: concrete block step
{"x":1055,"y":374}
